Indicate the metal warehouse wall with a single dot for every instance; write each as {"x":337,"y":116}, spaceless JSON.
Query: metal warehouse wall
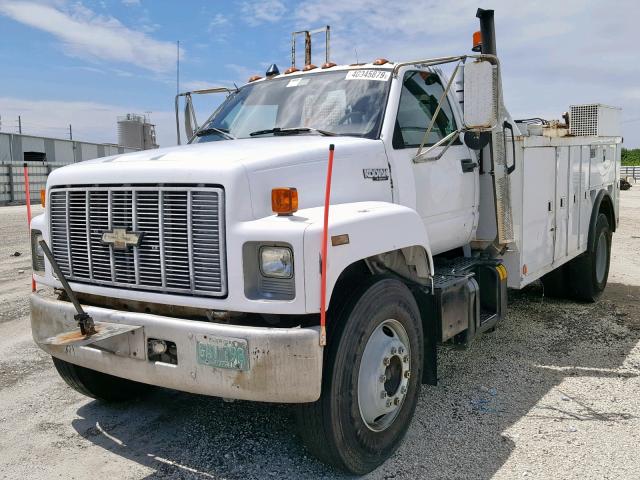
{"x":55,"y":152}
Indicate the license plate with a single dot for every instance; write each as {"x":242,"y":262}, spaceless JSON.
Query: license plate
{"x":222,"y":352}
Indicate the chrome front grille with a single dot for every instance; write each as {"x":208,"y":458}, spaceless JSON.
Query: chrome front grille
{"x":182,"y":246}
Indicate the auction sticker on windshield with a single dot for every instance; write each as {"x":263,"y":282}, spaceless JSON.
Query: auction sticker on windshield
{"x":222,"y":352}
{"x":380,"y":75}
{"x":297,"y":82}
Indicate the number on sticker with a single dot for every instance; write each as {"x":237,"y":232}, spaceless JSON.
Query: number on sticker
{"x":379,"y":75}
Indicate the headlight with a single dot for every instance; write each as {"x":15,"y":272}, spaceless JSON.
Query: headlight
{"x":276,"y":262}
{"x":37,"y":254}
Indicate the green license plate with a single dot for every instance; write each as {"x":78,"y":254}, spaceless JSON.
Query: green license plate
{"x":222,"y":352}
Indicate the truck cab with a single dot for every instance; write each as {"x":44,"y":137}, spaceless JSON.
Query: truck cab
{"x":199,"y":267}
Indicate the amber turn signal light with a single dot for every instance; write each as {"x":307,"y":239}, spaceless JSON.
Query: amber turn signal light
{"x":284,"y":201}
{"x":477,"y":42}
{"x":43,"y":197}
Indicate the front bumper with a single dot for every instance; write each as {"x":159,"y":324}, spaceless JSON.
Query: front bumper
{"x":285,"y":364}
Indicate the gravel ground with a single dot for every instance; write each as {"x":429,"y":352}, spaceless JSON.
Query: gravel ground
{"x":553,"y":393}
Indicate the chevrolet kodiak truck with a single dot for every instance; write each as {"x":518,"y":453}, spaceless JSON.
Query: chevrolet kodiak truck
{"x":199,"y":267}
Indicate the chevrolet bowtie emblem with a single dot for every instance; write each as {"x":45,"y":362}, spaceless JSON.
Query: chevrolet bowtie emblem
{"x":121,"y":239}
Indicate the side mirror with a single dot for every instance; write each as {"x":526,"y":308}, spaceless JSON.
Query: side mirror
{"x":480,"y":96}
{"x":190,"y":123}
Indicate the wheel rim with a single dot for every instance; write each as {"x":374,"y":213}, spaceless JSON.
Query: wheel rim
{"x":601,"y":257}
{"x":383,"y":377}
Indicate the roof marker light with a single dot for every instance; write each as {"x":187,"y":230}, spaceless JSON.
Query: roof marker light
{"x":380,"y":61}
{"x":254,"y":78}
{"x":308,"y":67}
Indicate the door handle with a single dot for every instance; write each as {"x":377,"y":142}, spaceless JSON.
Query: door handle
{"x":468,"y":165}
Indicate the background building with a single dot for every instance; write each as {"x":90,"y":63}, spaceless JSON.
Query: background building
{"x":42,"y":155}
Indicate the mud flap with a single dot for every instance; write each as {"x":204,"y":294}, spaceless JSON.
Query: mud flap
{"x":430,"y":330}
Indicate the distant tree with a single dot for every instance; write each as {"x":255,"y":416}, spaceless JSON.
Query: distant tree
{"x":631,"y":157}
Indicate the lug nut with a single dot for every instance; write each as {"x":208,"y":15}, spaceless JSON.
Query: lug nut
{"x":393,"y":350}
{"x":407,"y":374}
{"x":383,"y":378}
{"x":386,"y":361}
{"x":403,"y":390}
{"x":388,"y":403}
{"x":405,"y":359}
{"x":383,"y":394}
{"x":396,"y":401}
{"x":400,"y":350}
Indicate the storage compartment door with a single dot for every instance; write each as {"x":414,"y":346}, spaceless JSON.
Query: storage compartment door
{"x":575,"y":192}
{"x":539,"y":188}
{"x":562,"y":202}
{"x":585,"y":195}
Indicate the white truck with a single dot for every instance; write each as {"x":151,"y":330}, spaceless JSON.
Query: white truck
{"x":199,"y":268}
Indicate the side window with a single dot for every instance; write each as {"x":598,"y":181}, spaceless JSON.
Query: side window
{"x":421,"y":92}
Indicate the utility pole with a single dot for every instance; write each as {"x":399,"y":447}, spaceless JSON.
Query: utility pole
{"x":19,"y":125}
{"x":70,"y":133}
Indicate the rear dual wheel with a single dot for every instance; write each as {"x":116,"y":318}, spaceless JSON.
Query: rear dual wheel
{"x":371,"y":381}
{"x":585,"y":277}
{"x":590,"y":271}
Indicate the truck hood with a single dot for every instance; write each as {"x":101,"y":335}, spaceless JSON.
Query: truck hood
{"x":253,"y":166}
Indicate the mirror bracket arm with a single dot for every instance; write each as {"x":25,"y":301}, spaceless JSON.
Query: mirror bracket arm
{"x":449,"y":139}
{"x":443,"y":98}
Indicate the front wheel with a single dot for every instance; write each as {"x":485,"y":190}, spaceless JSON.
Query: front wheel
{"x":371,"y":380}
{"x":98,"y":385}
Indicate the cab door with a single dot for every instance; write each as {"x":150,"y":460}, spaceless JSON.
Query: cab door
{"x":446,"y":182}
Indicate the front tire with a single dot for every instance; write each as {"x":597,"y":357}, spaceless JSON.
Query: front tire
{"x":371,"y":380}
{"x":98,"y":385}
{"x":589,"y":272}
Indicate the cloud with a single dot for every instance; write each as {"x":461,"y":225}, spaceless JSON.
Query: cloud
{"x":576,"y":52}
{"x":219,"y":27}
{"x":191,"y":85}
{"x":218,"y":20}
{"x":91,"y":121}
{"x":88,"y":35}
{"x":263,"y":11}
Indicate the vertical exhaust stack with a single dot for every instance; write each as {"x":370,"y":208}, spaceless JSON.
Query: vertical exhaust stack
{"x":487,"y":31}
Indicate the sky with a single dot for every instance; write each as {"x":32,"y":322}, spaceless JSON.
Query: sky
{"x":87,"y":62}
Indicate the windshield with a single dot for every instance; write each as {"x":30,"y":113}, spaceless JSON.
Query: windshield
{"x":342,"y":102}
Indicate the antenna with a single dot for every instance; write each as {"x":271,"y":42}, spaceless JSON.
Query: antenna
{"x":356,"y":50}
{"x":178,"y":67}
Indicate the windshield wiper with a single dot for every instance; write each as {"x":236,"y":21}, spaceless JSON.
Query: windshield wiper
{"x":292,"y":131}
{"x":210,"y":130}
